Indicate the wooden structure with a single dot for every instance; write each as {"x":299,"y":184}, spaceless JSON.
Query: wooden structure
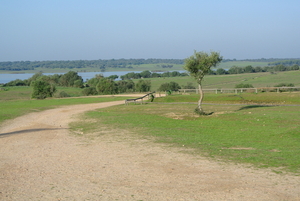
{"x":140,"y":99}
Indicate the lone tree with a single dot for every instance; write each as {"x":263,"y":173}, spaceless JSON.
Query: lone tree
{"x":198,"y":65}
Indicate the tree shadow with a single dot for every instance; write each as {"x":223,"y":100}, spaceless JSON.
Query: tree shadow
{"x":253,"y":106}
{"x":27,"y":131}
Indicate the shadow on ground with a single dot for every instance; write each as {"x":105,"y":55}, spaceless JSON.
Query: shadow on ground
{"x":27,"y":131}
{"x":253,"y":106}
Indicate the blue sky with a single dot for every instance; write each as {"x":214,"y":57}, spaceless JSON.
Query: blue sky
{"x":38,"y":30}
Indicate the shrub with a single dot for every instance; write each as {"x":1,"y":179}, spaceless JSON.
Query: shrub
{"x":62,"y":94}
{"x":126,"y":86}
{"x":106,"y":86}
{"x":221,"y":71}
{"x":173,"y":86}
{"x":143,"y":86}
{"x":189,"y":85}
{"x":284,"y":85}
{"x":243,"y":85}
{"x":89,"y":91}
{"x":42,"y":89}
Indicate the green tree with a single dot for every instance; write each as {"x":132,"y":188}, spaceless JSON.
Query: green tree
{"x":107,"y":86}
{"x":34,"y":77}
{"x":143,"y":86}
{"x":295,"y":67}
{"x":78,"y":83}
{"x":89,"y":91}
{"x":221,"y":71}
{"x":126,"y":86}
{"x":173,"y":86}
{"x":113,"y":77}
{"x":145,"y":74}
{"x":198,"y":65}
{"x":249,"y":69}
{"x":258,"y":69}
{"x":42,"y":89}
{"x":188,"y":85}
{"x":235,"y":70}
{"x":69,"y":79}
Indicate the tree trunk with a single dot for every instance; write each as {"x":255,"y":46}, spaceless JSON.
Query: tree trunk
{"x":201,"y":97}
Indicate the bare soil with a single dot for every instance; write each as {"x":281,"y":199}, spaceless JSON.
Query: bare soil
{"x":41,"y":159}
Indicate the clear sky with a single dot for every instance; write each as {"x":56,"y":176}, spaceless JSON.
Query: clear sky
{"x":37,"y":30}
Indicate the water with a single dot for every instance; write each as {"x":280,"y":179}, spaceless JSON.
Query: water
{"x":5,"y":78}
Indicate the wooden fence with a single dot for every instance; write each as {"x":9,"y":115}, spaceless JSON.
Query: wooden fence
{"x":241,"y":90}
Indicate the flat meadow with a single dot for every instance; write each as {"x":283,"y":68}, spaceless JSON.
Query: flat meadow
{"x":263,"y":133}
{"x":261,"y":130}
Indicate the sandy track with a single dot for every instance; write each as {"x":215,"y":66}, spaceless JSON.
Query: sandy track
{"x":40,"y":160}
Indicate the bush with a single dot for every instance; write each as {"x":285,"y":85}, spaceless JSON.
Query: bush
{"x":42,"y":89}
{"x":242,"y":85}
{"x":89,"y":91}
{"x":284,"y":85}
{"x":221,"y":71}
{"x":189,"y":85}
{"x":106,"y":86}
{"x":171,"y":86}
{"x":143,"y":86}
{"x":62,"y":94}
{"x":126,"y":86}
{"x":16,"y":82}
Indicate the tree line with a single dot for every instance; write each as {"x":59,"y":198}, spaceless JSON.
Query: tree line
{"x":45,"y":85}
{"x":286,"y":62}
{"x":148,"y":74}
{"x":251,"y":69}
{"x":102,"y":65}
{"x":98,"y":64}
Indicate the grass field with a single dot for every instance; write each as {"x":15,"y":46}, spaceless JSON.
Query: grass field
{"x":229,"y":81}
{"x":262,"y":131}
{"x":264,"y":136}
{"x":270,"y":98}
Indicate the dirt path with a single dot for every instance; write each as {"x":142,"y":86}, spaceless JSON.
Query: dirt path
{"x":40,"y":160}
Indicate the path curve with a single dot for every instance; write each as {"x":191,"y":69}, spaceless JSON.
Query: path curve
{"x":41,"y":160}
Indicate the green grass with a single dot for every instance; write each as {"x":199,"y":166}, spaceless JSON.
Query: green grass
{"x":270,"y":98}
{"x":229,"y":81}
{"x":261,"y":136}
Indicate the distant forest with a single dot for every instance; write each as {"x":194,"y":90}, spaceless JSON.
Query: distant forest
{"x":102,"y":65}
{"x":98,"y":64}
